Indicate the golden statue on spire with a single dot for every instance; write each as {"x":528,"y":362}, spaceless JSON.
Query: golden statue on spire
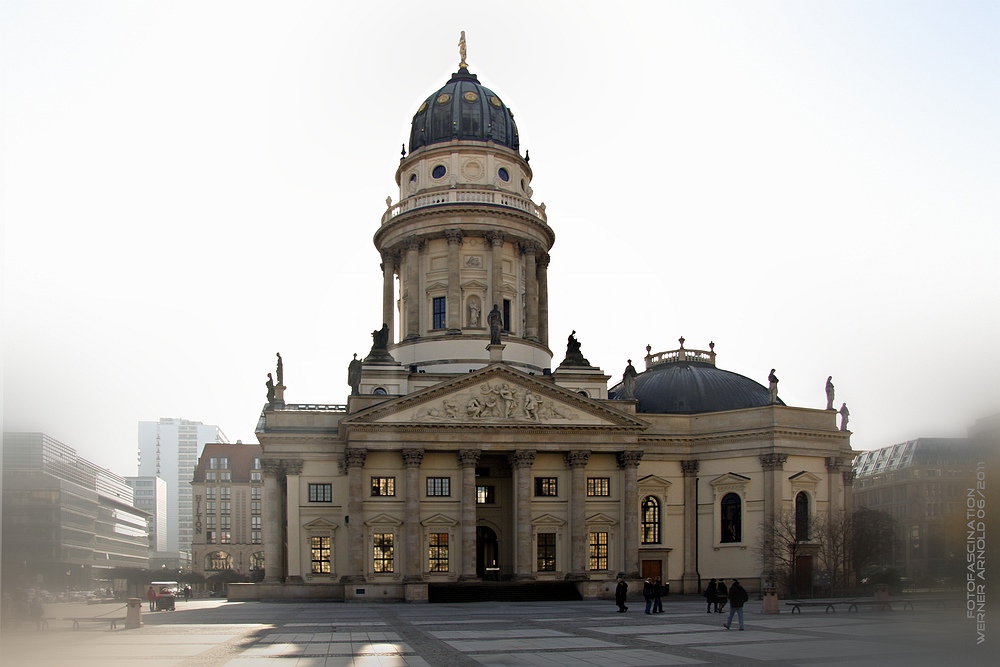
{"x":461,"y":52}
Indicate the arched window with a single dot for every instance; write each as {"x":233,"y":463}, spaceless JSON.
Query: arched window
{"x":731,"y":518}
{"x":801,"y":517}
{"x":218,"y":560}
{"x":650,"y":520}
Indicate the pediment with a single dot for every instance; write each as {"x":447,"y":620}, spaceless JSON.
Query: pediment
{"x":382,"y":520}
{"x":730,"y":478}
{"x":320,"y":524}
{"x":601,"y":518}
{"x":439,"y":520}
{"x":804,"y":480}
{"x":496,"y":396}
{"x":654,"y":484}
{"x":547,"y":520}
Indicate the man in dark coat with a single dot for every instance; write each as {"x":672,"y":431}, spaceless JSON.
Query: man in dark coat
{"x":621,"y":592}
{"x":737,"y":598}
{"x":721,"y":596}
{"x":657,"y":594}
{"x":647,"y":594}
{"x":710,"y":595}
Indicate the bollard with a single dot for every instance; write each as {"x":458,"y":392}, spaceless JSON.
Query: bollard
{"x":770,"y":601}
{"x":133,"y":618}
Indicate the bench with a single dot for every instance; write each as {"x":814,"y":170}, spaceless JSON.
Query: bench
{"x":797,"y":606}
{"x":886,"y":605}
{"x":95,"y":619}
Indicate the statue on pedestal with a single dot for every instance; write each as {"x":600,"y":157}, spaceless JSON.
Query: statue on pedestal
{"x":495,"y":320}
{"x":573,"y":355}
{"x":845,"y":415}
{"x":270,"y":389}
{"x":772,"y":386}
{"x":628,"y":383}
{"x":829,"y":393}
{"x":354,"y":375}
{"x":279,"y":372}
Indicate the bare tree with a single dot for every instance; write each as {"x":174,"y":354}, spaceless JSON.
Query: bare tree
{"x":833,"y":531}
{"x":873,"y":539}
{"x":779,"y":545}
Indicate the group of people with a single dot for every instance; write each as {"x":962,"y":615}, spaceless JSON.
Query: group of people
{"x":652,"y":593}
{"x":717,"y":595}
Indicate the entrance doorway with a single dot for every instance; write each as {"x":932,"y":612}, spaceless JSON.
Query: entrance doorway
{"x":487,"y":553}
{"x":651,"y":569}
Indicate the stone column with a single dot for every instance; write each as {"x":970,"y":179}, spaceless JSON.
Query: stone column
{"x":689,"y":578}
{"x":629,"y":461}
{"x":495,"y":239}
{"x":454,"y":301}
{"x":576,"y":461}
{"x":273,"y":527}
{"x":834,"y":483}
{"x":412,"y":568}
{"x":293,"y":539}
{"x":467,"y":459}
{"x":413,"y":295}
{"x":521,"y":462}
{"x":770,"y":463}
{"x":543,"y":299}
{"x":357,"y":540}
{"x":531,"y":291}
{"x":388,"y":293}
{"x":848,"y":476}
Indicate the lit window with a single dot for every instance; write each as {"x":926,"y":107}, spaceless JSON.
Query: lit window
{"x":438,"y":552}
{"x":546,"y":552}
{"x":650,"y":520}
{"x":383,"y":486}
{"x":438,"y":486}
{"x":320,"y":549}
{"x":485,"y":495}
{"x":225,"y":537}
{"x":209,"y":537}
{"x":382,"y":543}
{"x":320,"y":493}
{"x":598,"y":486}
{"x":546,"y":486}
{"x":731,"y":518}
{"x":598,"y":551}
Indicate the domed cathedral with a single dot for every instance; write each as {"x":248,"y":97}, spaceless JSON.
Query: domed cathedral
{"x":466,"y":465}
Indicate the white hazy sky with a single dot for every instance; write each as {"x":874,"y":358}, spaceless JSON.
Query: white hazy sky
{"x":189,"y":187}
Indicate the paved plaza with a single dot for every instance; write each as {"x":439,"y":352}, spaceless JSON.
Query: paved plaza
{"x":216,"y":633}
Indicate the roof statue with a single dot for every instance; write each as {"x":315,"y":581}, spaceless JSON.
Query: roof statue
{"x":354,"y":375}
{"x":270,"y":389}
{"x":845,"y":415}
{"x":829,"y":393}
{"x":628,"y":383}
{"x":461,"y":52}
{"x":573,"y":355}
{"x":772,"y":386}
{"x":380,"y":345}
{"x":279,"y":372}
{"x":495,"y":320}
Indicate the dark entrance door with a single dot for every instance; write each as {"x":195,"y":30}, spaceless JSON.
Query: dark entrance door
{"x":803,"y":575}
{"x":487,"y":553}
{"x":651,"y":569}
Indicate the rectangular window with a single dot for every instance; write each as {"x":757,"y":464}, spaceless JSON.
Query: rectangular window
{"x":320,"y":548}
{"x":209,"y":476}
{"x":255,"y":476}
{"x":209,"y":537}
{"x":546,"y":552}
{"x":439,"y":313}
{"x":383,"y":486}
{"x":255,"y":507}
{"x":485,"y":495}
{"x":439,"y":486}
{"x":598,"y":486}
{"x":224,"y":507}
{"x":225,"y":476}
{"x":224,"y":493}
{"x":382,"y":543}
{"x":209,"y":493}
{"x":546,"y":486}
{"x":226,"y":522}
{"x":210,"y":521}
{"x":256,"y":463}
{"x":598,"y":551}
{"x":255,"y":492}
{"x":438,"y":553}
{"x":255,"y":522}
{"x":213,"y":463}
{"x":255,"y":537}
{"x":320,"y":493}
{"x":210,"y":507}
{"x":506,"y":314}
{"x":225,"y":537}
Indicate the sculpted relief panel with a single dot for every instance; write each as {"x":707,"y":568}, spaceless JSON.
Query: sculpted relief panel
{"x":495,"y":401}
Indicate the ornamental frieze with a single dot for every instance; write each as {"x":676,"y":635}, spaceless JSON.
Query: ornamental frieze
{"x":494,"y":401}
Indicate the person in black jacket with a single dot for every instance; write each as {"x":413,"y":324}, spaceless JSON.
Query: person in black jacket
{"x":647,"y":594}
{"x":710,"y":595}
{"x":621,"y":592}
{"x":657,"y":594}
{"x":737,"y":598}
{"x":721,"y":596}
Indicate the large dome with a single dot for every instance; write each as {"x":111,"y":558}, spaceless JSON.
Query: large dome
{"x":463,"y":109}
{"x":688,"y":382}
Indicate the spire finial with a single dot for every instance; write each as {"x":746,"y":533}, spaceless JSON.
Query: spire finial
{"x":461,"y":52}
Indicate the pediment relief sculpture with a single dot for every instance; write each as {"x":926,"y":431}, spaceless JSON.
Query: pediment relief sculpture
{"x":495,"y":401}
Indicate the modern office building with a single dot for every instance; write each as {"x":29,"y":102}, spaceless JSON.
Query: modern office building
{"x":66,"y":522}
{"x":464,"y":454}
{"x":168,"y":449}
{"x":228,"y":493}
{"x":150,"y":494}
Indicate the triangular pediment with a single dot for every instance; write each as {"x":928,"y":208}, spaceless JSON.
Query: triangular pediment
{"x":805,"y":477}
{"x":320,"y":524}
{"x":729,"y":478}
{"x":439,"y":520}
{"x":383,"y":520}
{"x":601,"y":518}
{"x":547,"y":520}
{"x":496,"y":397}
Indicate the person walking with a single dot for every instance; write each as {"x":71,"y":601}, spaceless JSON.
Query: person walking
{"x":737,"y":598}
{"x":721,"y":596}
{"x":657,"y":594}
{"x":151,"y":596}
{"x":621,"y":593}
{"x":711,"y":596}
{"x":647,"y":594}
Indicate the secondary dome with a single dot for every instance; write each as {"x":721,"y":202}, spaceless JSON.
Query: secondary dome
{"x":688,"y":382}
{"x":463,"y":109}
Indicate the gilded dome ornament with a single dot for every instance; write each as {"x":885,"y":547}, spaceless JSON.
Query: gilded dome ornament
{"x":470,"y":96}
{"x":423,"y":107}
{"x":461,"y":52}
{"x":495,"y":101}
{"x":443,"y":98}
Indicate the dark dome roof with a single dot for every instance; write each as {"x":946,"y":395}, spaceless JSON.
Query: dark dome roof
{"x":692,"y":387}
{"x":463,"y":109}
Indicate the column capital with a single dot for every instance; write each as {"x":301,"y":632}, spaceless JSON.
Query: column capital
{"x":413,"y":242}
{"x":522,"y":458}
{"x":529,"y":248}
{"x":773,"y":461}
{"x":271,"y":467}
{"x":629,"y":459}
{"x":577,"y":459}
{"x":834,"y":463}
{"x":412,"y":457}
{"x":292,"y":466}
{"x":468,"y":458}
{"x":454,"y":236}
{"x":690,"y":467}
{"x":495,"y":238}
{"x":354,"y":457}
{"x":849,"y":477}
